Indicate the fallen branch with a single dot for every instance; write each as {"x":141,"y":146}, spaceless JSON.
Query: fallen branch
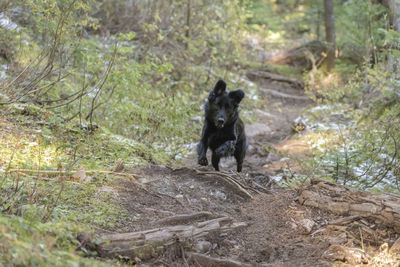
{"x":380,"y":208}
{"x":153,"y":243}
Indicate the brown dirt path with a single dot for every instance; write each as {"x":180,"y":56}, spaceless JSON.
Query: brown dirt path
{"x":276,"y":234}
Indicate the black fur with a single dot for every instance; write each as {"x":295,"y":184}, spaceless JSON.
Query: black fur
{"x":223,"y":130}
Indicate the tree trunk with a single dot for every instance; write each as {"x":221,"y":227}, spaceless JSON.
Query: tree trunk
{"x":188,"y":20}
{"x":330,"y":33}
{"x":394,"y":12}
{"x":318,"y":29}
{"x":394,"y":20}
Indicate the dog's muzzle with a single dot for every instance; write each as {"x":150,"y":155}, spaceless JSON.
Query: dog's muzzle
{"x":220,"y":123}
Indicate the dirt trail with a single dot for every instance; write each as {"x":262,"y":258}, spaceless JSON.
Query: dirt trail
{"x":276,"y":232}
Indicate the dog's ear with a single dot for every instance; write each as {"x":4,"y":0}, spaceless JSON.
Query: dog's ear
{"x":237,"y":96}
{"x":218,"y":90}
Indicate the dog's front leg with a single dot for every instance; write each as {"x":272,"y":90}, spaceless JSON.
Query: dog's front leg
{"x":202,"y":147}
{"x":215,"y":160}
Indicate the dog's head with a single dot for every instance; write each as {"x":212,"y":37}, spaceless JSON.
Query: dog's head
{"x":222,"y":106}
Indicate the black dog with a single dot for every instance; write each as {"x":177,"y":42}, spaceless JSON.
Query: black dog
{"x":223,"y":130}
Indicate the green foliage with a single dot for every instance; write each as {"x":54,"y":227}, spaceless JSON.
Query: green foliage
{"x":359,"y":147}
{"x":123,"y":83}
{"x":290,"y":18}
{"x":26,"y":242}
{"x":41,"y":219}
{"x":358,"y":26}
{"x":85,"y":87}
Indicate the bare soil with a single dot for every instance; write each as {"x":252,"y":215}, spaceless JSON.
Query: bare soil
{"x":279,"y":230}
{"x":275,"y":234}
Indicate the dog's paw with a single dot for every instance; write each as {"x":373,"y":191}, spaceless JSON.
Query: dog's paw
{"x":203,"y":161}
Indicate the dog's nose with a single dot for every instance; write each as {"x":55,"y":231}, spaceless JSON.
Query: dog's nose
{"x":221,"y":120}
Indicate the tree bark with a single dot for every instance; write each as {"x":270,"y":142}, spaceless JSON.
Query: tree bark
{"x":330,"y":33}
{"x":395,"y":10}
{"x":394,"y":20}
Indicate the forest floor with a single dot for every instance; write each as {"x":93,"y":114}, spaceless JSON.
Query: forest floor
{"x":277,"y":231}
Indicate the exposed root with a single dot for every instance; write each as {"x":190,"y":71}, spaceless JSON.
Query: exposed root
{"x":227,"y":179}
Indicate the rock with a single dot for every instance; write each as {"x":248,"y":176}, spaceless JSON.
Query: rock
{"x":307,"y":225}
{"x":202,"y":246}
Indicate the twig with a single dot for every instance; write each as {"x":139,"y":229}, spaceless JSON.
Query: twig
{"x":361,"y":237}
{"x":183,"y":257}
{"x":21,"y":73}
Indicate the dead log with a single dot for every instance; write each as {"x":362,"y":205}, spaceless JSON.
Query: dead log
{"x":275,"y":77}
{"x":152,"y":243}
{"x":380,"y":208}
{"x":306,"y":56}
{"x":184,"y":218}
{"x":204,"y":260}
